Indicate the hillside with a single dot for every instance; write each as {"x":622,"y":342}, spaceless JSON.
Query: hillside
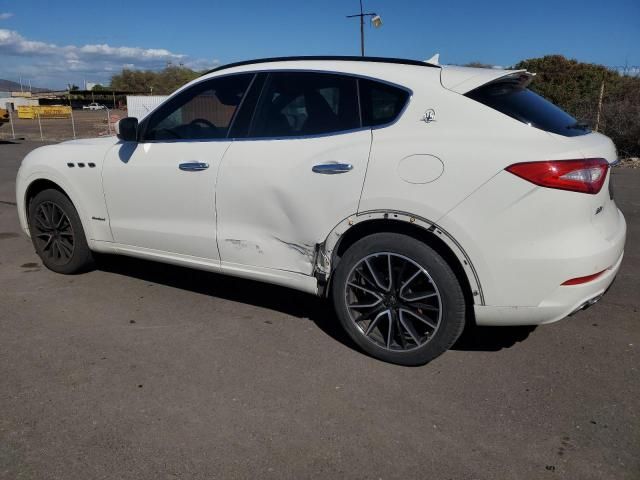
{"x":9,"y":86}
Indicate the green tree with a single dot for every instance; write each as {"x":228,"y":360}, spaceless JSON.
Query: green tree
{"x":575,"y":87}
{"x":162,"y":82}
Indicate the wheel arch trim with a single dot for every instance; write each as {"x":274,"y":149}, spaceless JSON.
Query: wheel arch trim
{"x":326,"y":257}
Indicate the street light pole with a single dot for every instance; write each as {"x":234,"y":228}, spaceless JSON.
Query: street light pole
{"x":361,"y":30}
{"x":375,"y":19}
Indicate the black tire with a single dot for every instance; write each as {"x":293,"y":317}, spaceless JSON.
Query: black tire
{"x":57,"y":233}
{"x":404,"y":337}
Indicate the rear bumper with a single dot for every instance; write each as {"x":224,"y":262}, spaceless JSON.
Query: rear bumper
{"x":564,"y":301}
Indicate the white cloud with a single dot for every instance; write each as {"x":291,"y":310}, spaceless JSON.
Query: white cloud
{"x":12,"y":43}
{"x":6,"y":15}
{"x":57,"y":63}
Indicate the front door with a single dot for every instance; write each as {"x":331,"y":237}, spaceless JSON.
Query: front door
{"x":298,"y":173}
{"x":160,"y":192}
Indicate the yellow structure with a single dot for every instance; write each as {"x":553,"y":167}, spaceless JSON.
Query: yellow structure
{"x":4,"y":116}
{"x":44,"y":111}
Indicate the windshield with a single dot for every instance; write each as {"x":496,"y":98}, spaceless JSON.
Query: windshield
{"x":512,"y":99}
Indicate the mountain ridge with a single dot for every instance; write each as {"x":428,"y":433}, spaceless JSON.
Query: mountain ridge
{"x":11,"y":86}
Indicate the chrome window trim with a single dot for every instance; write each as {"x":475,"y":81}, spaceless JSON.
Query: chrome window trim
{"x":284,"y":70}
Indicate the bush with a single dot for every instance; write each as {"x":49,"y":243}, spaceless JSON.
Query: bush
{"x":162,"y":82}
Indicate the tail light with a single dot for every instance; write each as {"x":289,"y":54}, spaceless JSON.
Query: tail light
{"x":586,"y":176}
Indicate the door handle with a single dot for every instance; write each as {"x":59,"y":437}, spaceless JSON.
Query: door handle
{"x":193,"y":166}
{"x":332,"y":168}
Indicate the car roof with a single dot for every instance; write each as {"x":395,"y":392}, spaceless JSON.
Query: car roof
{"x":327,"y":58}
{"x":413,"y":75}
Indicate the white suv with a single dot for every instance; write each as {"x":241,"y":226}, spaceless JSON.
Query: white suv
{"x":416,"y":197}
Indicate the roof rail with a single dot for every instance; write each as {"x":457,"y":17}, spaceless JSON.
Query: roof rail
{"x":341,"y":58}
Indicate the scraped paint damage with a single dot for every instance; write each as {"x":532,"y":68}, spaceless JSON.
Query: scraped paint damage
{"x":242,"y":244}
{"x":309,"y":251}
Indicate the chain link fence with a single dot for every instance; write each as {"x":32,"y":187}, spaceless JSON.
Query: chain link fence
{"x":71,"y":124}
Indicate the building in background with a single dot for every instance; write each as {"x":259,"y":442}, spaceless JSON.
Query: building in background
{"x":13,"y":100}
{"x":139,"y":106}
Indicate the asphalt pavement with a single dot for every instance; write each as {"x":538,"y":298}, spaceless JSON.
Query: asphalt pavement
{"x":139,"y":370}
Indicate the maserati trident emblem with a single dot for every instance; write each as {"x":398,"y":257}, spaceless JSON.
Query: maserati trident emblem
{"x":429,"y":116}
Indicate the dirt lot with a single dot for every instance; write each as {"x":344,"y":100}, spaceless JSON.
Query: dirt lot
{"x":88,"y":123}
{"x":144,"y":371}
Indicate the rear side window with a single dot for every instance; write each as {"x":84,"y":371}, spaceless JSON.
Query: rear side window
{"x":516,"y":101}
{"x":380,"y":103}
{"x":303,"y":103}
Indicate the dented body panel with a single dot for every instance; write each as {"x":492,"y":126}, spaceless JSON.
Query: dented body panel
{"x":273,"y":209}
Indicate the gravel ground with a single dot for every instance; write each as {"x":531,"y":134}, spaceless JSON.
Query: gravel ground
{"x":144,"y":371}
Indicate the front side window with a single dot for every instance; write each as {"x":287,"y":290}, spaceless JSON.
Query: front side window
{"x":202,"y":112}
{"x":303,"y":103}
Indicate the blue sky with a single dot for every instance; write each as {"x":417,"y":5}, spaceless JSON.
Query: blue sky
{"x":53,"y":43}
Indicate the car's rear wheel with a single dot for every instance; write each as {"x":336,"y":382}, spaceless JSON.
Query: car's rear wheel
{"x":398,"y":299}
{"x":57,"y":233}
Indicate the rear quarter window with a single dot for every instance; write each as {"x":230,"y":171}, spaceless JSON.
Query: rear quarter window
{"x":513,"y":99}
{"x":380,"y":103}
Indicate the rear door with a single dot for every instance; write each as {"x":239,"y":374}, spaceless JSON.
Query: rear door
{"x":297,"y":172}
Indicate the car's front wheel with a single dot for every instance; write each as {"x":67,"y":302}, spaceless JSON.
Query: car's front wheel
{"x":398,"y":299}
{"x":57,"y":233}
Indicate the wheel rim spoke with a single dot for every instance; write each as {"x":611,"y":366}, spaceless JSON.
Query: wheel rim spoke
{"x":380,"y":285}
{"x":64,"y":249}
{"x":41,"y":224}
{"x":409,"y":328}
{"x":422,"y":318}
{"x":45,"y":215}
{"x":48,"y":242}
{"x":393,"y":301}
{"x":364,"y":289}
{"x":374,"y":322}
{"x":423,"y":296}
{"x":365,"y":305}
{"x":389,"y":330}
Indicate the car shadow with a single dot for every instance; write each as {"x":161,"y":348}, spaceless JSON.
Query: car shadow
{"x":259,"y":294}
{"x":491,"y":339}
{"x":284,"y":300}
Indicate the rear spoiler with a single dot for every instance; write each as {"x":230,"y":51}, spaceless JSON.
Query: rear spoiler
{"x":464,"y":79}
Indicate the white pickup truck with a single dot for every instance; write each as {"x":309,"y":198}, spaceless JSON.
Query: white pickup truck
{"x":93,"y":106}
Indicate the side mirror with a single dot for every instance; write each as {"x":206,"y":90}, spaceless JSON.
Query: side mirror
{"x":127,"y":129}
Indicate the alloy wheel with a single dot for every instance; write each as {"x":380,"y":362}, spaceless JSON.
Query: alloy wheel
{"x":53,"y":233}
{"x":393,"y":301}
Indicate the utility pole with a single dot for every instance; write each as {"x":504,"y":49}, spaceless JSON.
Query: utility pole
{"x":375,"y":20}
{"x":600,"y":104}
